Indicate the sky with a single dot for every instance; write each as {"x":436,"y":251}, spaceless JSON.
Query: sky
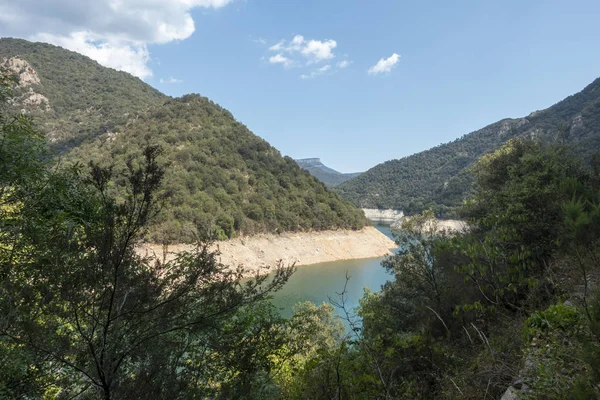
{"x":355,"y":83}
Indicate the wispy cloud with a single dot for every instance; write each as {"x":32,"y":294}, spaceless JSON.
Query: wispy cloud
{"x":317,"y":72}
{"x":300,"y":50}
{"x":259,"y":40}
{"x":344,"y":64}
{"x":170,"y":80}
{"x":384,"y":65}
{"x":278,"y":46}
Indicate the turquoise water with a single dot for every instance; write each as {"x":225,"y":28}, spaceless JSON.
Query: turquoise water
{"x":319,"y":282}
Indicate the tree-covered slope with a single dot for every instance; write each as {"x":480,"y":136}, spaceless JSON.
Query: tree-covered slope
{"x":221,"y":177}
{"x":328,"y":176}
{"x":71,"y":97}
{"x":440,"y":177}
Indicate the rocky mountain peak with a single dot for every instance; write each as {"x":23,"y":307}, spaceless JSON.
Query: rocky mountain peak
{"x":27,"y":79}
{"x":25,"y":73}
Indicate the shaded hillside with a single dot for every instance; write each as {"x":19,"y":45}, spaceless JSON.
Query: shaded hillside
{"x":440,"y":178}
{"x":221,"y":177}
{"x":71,"y":97}
{"x":328,"y":176}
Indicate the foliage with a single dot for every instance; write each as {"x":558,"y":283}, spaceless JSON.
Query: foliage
{"x":314,"y":333}
{"x":555,"y":340}
{"x":557,"y":317}
{"x":520,"y":179}
{"x":18,"y":169}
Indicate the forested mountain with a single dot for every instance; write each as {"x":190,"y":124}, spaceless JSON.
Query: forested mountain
{"x":221,"y":178}
{"x":439,"y":178}
{"x":71,"y":97}
{"x":328,"y":176}
{"x":508,"y":308}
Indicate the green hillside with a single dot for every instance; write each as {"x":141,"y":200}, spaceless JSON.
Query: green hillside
{"x":440,"y":177}
{"x":221,"y":177}
{"x":84,"y":98}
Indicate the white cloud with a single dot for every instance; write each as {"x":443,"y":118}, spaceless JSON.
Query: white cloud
{"x":113,"y":32}
{"x":344,"y":64}
{"x":316,"y":72}
{"x":124,"y":56}
{"x":308,"y":51}
{"x":298,"y":39}
{"x":319,"y":50}
{"x":170,"y":80}
{"x":384,"y":65}
{"x":280,"y":59}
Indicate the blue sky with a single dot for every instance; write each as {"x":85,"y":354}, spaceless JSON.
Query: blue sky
{"x":461,"y":65}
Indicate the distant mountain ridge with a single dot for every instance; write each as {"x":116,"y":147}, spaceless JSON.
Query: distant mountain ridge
{"x":328,"y":176}
{"x":221,"y":178}
{"x":439,"y":178}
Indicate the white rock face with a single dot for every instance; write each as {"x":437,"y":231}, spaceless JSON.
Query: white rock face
{"x":25,"y":72}
{"x":447,"y":225}
{"x":511,"y":394}
{"x":383,"y":216}
{"x":27,"y":77}
{"x":33,"y":98}
{"x":394,"y":218}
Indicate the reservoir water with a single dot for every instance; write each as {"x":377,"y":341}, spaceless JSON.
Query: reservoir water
{"x":319,"y":282}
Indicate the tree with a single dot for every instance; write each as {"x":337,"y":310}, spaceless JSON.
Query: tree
{"x":517,"y":220}
{"x":21,"y":168}
{"x":311,"y":363}
{"x":115,"y":319}
{"x":77,"y":297}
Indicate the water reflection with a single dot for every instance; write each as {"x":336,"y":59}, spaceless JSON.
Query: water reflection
{"x":318,"y":281}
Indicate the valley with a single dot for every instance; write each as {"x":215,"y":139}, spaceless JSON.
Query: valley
{"x":153,"y":246}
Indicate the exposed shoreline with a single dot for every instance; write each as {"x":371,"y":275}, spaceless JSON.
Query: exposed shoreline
{"x":301,"y":248}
